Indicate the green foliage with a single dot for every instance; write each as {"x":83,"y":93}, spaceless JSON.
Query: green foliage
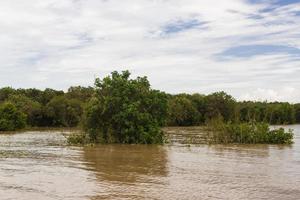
{"x":5,"y":93}
{"x":32,"y":109}
{"x":125,"y":110}
{"x":10,"y":118}
{"x":64,"y":112}
{"x":43,"y":97}
{"x":273,"y":113}
{"x":78,"y":139}
{"x":191,"y":110}
{"x":49,"y":107}
{"x":83,"y":94}
{"x":220,"y":103}
{"x":199,"y":102}
{"x":182,"y":112}
{"x":297,"y":113}
{"x":246,"y":133}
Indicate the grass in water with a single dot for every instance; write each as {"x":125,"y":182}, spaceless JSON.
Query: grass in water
{"x":77,"y":138}
{"x":220,"y":132}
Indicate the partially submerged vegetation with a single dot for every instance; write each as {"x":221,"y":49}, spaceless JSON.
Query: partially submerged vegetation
{"x":246,"y":133}
{"x":119,"y":109}
{"x":124,"y":110}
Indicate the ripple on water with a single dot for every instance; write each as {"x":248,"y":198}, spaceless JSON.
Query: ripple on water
{"x":39,"y":165}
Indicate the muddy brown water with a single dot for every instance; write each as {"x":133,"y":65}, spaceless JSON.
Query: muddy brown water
{"x":39,"y":165}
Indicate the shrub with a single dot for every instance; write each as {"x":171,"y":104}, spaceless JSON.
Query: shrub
{"x":246,"y":133}
{"x":77,"y":139}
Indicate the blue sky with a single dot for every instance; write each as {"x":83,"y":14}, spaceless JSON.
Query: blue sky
{"x":248,"y":48}
{"x":248,"y":51}
{"x":181,"y":25}
{"x":276,"y":2}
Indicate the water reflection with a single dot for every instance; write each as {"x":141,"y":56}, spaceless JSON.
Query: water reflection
{"x":127,"y":171}
{"x":39,"y":165}
{"x":126,"y":163}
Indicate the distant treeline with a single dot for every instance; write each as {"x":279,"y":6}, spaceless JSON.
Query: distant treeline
{"x":196,"y":109}
{"x":56,"y":108}
{"x":42,"y":108}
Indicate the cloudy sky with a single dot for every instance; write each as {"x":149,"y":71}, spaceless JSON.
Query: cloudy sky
{"x":248,"y":48}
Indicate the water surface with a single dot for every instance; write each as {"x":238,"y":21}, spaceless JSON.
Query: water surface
{"x":39,"y":165}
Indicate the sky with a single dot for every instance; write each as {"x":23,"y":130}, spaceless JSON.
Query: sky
{"x":247,"y":48}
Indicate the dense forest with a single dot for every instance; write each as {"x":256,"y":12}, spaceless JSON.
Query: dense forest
{"x":20,"y":108}
{"x":42,"y":108}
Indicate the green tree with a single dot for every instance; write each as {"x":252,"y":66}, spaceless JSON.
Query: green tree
{"x":5,"y":93}
{"x":125,"y":110}
{"x":283,"y":113}
{"x":49,"y":94}
{"x":31,"y":93}
{"x":200,"y":104}
{"x":254,"y":111}
{"x":32,"y":109}
{"x":297,"y":113}
{"x":220,"y":103}
{"x":10,"y":118}
{"x":61,"y":111}
{"x":81,"y":93}
{"x":182,"y":112}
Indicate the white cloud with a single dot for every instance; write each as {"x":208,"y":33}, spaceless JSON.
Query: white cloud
{"x":282,"y":94}
{"x":54,"y":43}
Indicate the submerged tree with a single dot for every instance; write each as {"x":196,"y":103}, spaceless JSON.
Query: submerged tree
{"x":125,"y":110}
{"x":222,"y":132}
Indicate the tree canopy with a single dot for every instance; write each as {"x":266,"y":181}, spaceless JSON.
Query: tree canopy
{"x":10,"y":118}
{"x":125,"y":110}
{"x":118,"y":101}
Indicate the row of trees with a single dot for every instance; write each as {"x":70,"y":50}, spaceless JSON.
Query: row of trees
{"x":117,"y":98}
{"x":42,"y":108}
{"x":196,"y":109}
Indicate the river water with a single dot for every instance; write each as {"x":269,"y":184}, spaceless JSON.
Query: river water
{"x":39,"y":165}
